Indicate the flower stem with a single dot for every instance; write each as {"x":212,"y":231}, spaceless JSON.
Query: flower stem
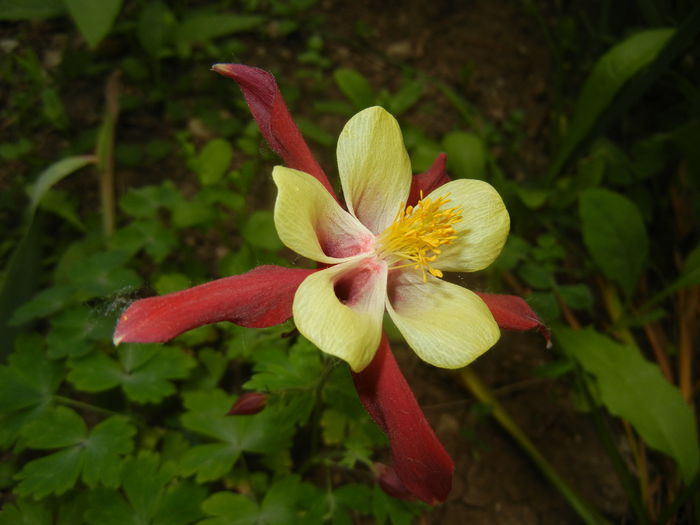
{"x":85,"y":406}
{"x":472,"y":381}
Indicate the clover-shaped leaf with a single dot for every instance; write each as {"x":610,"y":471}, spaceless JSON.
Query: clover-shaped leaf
{"x":150,"y":494}
{"x":263,"y":433}
{"x":94,"y":455}
{"x":144,"y":372}
{"x":27,"y":385}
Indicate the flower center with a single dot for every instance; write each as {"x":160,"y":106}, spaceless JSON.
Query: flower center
{"x":417,"y":234}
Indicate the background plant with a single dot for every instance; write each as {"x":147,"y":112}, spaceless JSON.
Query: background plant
{"x":605,"y":247}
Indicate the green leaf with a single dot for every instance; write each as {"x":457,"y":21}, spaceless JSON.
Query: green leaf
{"x":53,"y":474}
{"x":75,"y":330}
{"x":26,"y":512}
{"x":406,"y":97}
{"x":147,"y":201}
{"x":355,"y":86}
{"x":30,"y":10}
{"x":62,"y":204}
{"x":275,"y":369}
{"x":202,"y":27}
{"x":466,"y":155}
{"x":635,"y":389}
{"x":213,"y":161}
{"x":102,"y":450}
{"x":210,"y":462}
{"x":612,"y":71}
{"x":145,"y":372}
{"x":155,"y":23}
{"x":577,"y":296}
{"x":230,"y":509}
{"x":94,"y":19}
{"x":614,"y":233}
{"x":97,"y":456}
{"x":153,"y":496}
{"x":150,"y":235}
{"x":260,"y":231}
{"x":43,"y":304}
{"x":58,"y":427}
{"x":103,"y":275}
{"x":29,"y":379}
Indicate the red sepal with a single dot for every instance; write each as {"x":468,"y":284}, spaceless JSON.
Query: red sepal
{"x":248,"y":404}
{"x":429,"y":180}
{"x":391,"y":484}
{"x":513,"y":313}
{"x":418,"y":457}
{"x":259,"y":298}
{"x":270,"y":112}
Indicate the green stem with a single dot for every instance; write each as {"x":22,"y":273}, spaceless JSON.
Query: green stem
{"x":608,"y":442}
{"x":85,"y":406}
{"x":105,"y":153}
{"x":482,"y":393}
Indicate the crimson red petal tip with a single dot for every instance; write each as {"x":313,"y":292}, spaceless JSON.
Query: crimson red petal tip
{"x":419,"y":460}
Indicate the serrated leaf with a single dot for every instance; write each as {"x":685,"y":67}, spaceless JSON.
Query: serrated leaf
{"x":30,"y":378}
{"x":149,"y":235}
{"x":58,"y":427}
{"x":145,"y":202}
{"x":635,"y":389}
{"x":229,"y":509}
{"x":43,"y":304}
{"x":26,"y":512}
{"x":299,"y":368}
{"x":75,"y":330}
{"x":94,"y":19}
{"x":614,"y":233}
{"x":210,"y":462}
{"x":152,"y":496}
{"x":144,"y":372}
{"x":103,"y":449}
{"x":97,"y":456}
{"x":53,"y":474}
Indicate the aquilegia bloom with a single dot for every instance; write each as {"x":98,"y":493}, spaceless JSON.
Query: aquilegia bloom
{"x":385,"y":254}
{"x":386,"y":250}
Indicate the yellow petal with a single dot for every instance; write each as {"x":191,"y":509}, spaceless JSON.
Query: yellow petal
{"x":446,"y":325}
{"x":374,"y":168}
{"x":340,"y":309}
{"x":310,"y":221}
{"x":483,"y":230}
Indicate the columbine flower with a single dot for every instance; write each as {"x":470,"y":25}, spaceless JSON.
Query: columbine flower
{"x":387,"y":250}
{"x":387,"y":255}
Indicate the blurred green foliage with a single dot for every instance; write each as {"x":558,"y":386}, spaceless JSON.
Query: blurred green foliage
{"x":607,"y":239}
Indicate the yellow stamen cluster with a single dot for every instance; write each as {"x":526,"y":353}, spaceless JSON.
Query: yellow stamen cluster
{"x":417,"y":234}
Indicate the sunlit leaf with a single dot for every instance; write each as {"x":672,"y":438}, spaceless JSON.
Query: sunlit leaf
{"x":355,"y":86}
{"x":635,"y":389}
{"x":94,"y":19}
{"x":614,"y":233}
{"x":466,"y":155}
